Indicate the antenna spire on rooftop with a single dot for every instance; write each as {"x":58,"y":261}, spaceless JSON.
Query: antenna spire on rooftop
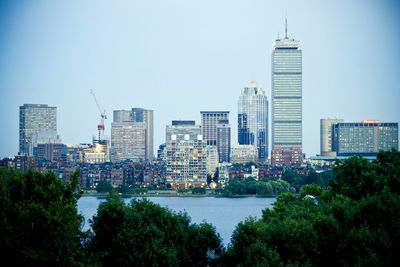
{"x":286,"y":28}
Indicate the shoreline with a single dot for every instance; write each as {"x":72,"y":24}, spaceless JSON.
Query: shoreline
{"x":180,"y":195}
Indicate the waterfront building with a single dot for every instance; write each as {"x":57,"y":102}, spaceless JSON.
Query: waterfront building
{"x":244,"y":154}
{"x":37,"y":125}
{"x":185,"y":155}
{"x":286,"y":94}
{"x":128,"y":141}
{"x":364,"y":138}
{"x":253,"y":119}
{"x":326,"y":136}
{"x":223,"y":173}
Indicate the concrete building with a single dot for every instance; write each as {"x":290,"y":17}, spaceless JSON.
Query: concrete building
{"x":286,"y":94}
{"x":253,"y":119}
{"x":244,"y":154}
{"x":364,"y":138}
{"x":128,"y":141}
{"x":185,"y":155}
{"x":326,"y":136}
{"x":37,"y":125}
{"x":140,"y":115}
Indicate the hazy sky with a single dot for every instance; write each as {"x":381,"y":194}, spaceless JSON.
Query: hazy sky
{"x":179,"y":57}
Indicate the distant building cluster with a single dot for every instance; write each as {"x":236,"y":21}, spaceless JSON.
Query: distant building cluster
{"x":196,"y":153}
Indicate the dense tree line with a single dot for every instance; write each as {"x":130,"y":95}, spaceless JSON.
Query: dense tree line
{"x":40,"y":226}
{"x":250,"y":186}
{"x":297,"y":180}
{"x":354,"y":222}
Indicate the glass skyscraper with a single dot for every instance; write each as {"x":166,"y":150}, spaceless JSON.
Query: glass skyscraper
{"x":286,"y":94}
{"x":253,"y":119}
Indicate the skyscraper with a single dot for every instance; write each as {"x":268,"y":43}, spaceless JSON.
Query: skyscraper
{"x":216,"y":132}
{"x":253,"y":119}
{"x":286,"y":94}
{"x":37,"y":125}
{"x":326,"y":136}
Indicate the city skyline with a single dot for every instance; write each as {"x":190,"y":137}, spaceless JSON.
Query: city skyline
{"x":61,"y":62}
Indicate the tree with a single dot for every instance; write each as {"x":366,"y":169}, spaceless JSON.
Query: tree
{"x":144,"y":233}
{"x":104,"y":187}
{"x":355,"y":222}
{"x":39,"y":221}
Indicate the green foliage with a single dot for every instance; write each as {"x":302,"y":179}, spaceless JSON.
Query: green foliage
{"x":261,"y":188}
{"x":104,"y":187}
{"x":199,"y":190}
{"x":39,"y":222}
{"x":146,"y":234}
{"x":355,"y":222}
{"x":297,"y":180}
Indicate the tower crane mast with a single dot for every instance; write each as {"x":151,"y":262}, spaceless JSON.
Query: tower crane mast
{"x":100,"y":126}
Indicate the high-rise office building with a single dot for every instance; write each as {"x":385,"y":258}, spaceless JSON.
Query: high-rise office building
{"x":146,"y":116}
{"x":364,"y":138}
{"x":326,"y":136}
{"x":185,"y":154}
{"x":37,"y":125}
{"x":287,"y":94}
{"x":216,"y":132}
{"x":209,"y":121}
{"x":128,"y":141}
{"x":140,"y":115}
{"x":253,"y":119}
{"x":224,"y":141}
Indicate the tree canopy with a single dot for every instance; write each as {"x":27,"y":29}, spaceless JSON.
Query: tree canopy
{"x":354,"y":222}
{"x":39,"y":222}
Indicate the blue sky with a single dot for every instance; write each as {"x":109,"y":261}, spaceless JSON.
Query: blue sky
{"x":179,"y":57}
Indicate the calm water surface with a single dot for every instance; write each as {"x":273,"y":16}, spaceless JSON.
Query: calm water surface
{"x":223,"y":213}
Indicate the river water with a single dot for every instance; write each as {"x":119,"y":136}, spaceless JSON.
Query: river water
{"x":223,"y":213}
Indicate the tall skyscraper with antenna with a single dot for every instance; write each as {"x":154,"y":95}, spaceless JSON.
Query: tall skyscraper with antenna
{"x":286,"y":94}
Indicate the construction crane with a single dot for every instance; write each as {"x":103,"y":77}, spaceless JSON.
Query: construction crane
{"x":100,"y":127}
